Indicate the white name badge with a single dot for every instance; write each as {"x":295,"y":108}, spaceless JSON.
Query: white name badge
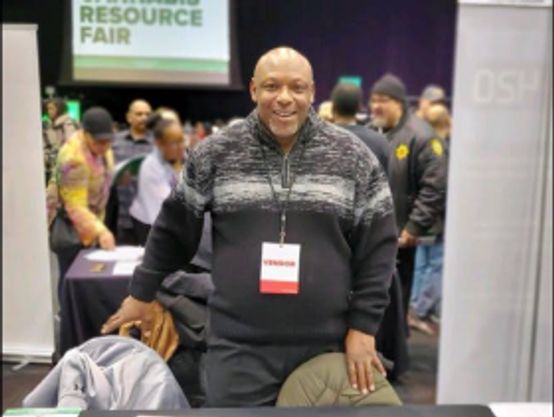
{"x":280,"y":268}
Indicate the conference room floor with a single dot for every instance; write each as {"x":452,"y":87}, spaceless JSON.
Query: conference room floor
{"x":417,"y":386}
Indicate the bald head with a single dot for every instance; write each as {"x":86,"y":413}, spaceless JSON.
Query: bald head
{"x":139,"y":111}
{"x":277,"y":58}
{"x":438,"y":117}
{"x":283,"y":89}
{"x":437,"y":114}
{"x":138,"y":103}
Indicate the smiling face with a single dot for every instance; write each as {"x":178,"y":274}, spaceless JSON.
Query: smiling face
{"x":283,"y":90}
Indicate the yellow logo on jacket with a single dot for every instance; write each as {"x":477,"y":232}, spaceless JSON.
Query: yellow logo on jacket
{"x":437,"y":148}
{"x":402,"y":151}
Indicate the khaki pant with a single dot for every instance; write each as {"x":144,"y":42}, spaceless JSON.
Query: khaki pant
{"x":323,"y":381}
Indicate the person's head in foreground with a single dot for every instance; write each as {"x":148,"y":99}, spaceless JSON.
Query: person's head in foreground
{"x":98,"y":130}
{"x":387,"y":101}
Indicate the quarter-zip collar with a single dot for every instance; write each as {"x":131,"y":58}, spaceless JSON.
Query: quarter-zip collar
{"x":263,"y":134}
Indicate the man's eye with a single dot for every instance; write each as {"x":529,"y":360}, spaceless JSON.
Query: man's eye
{"x":299,"y":88}
{"x":270,"y":87}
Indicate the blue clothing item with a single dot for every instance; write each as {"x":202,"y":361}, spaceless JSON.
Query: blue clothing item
{"x":109,"y":373}
{"x":427,"y":285}
{"x":156,"y":179}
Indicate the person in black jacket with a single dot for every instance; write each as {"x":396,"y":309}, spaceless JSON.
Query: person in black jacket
{"x":417,"y":171}
{"x":281,"y":180}
{"x":346,"y":100}
{"x":425,"y":300}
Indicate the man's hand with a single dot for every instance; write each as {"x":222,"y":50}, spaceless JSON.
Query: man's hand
{"x":407,"y":240}
{"x":106,"y":240}
{"x":361,"y":356}
{"x":131,"y":310}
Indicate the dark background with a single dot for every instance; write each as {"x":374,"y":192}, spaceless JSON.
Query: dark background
{"x":412,"y":39}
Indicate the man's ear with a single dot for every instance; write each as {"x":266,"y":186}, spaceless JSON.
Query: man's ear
{"x":312,"y":98}
{"x":128,"y":117}
{"x":252,"y":88}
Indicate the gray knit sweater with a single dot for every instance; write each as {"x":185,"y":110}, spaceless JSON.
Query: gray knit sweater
{"x":340,"y":212}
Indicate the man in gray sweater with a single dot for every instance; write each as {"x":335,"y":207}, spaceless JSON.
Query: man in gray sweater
{"x":304,"y":241}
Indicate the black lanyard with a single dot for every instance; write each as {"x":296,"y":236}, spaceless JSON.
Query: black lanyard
{"x":284,"y":206}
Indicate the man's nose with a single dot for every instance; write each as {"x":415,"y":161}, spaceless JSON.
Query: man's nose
{"x":284,"y":96}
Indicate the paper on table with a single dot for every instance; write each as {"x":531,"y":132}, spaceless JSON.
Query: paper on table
{"x":124,"y":268}
{"x":521,"y":409}
{"x":120,"y":253}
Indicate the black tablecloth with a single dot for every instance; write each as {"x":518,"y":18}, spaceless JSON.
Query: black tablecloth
{"x":404,"y":411}
{"x":89,"y":299}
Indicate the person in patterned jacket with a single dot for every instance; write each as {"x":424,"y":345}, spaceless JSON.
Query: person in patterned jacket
{"x":81,"y":183}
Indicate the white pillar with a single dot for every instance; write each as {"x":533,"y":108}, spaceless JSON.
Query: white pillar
{"x":27,"y":325}
{"x":497,"y":303}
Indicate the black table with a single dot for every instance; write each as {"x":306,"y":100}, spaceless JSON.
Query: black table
{"x":88,"y":300}
{"x":404,"y":411}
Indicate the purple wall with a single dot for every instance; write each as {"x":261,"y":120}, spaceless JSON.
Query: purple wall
{"x":412,"y":38}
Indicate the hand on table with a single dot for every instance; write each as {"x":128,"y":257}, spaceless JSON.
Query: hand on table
{"x":407,"y":240}
{"x":106,"y":240}
{"x":131,"y":310}
{"x":361,"y":356}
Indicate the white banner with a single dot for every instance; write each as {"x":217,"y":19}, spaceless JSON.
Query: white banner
{"x":27,"y":319}
{"x":196,"y":29}
{"x":495,"y":264}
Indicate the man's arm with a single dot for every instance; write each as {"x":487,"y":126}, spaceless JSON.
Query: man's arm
{"x":172,"y":242}
{"x":73,"y":185}
{"x":431,"y":175}
{"x":374,"y":245}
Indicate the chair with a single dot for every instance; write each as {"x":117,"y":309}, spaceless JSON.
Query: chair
{"x":323,"y":382}
{"x":109,"y":373}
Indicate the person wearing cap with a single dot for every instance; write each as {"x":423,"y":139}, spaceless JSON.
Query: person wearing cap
{"x":81,"y":183}
{"x":417,"y":172}
{"x":432,"y":94}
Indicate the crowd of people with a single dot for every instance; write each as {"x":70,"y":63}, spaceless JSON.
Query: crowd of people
{"x":418,"y":141}
{"x":363,"y":193}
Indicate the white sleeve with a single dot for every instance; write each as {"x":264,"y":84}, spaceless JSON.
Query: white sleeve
{"x":153,"y":189}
